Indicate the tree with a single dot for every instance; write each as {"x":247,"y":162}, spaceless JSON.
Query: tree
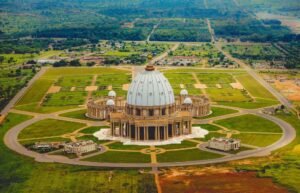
{"x":1,"y":59}
{"x":75,"y":63}
{"x":60,"y":63}
{"x":90,"y":64}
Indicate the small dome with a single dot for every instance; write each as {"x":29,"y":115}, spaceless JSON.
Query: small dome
{"x":112,"y":93}
{"x":184,"y":92}
{"x":110,"y":102}
{"x":188,"y":101}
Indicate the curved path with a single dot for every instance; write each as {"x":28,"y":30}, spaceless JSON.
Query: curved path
{"x":11,"y":141}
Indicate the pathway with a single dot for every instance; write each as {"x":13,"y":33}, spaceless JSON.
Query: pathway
{"x":198,"y":82}
{"x":153,"y":30}
{"x":90,"y":92}
{"x":11,"y":141}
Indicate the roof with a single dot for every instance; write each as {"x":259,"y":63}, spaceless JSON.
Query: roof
{"x":112,"y":93}
{"x":188,"y":101}
{"x":184,"y":92}
{"x":150,"y":88}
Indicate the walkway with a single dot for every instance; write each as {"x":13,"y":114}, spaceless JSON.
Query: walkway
{"x":11,"y":141}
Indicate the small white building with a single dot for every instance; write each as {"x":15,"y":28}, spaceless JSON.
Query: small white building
{"x":80,"y":147}
{"x":224,"y":144}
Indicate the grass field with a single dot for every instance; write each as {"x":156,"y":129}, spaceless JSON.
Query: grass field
{"x":52,"y":139}
{"x":209,"y":127}
{"x":92,"y":130}
{"x":185,"y":79}
{"x":36,"y":100}
{"x":36,"y":92}
{"x":91,"y":137}
{"x":80,"y":114}
{"x":260,"y":140}
{"x":186,"y":155}
{"x":49,"y":128}
{"x":252,"y":96}
{"x":120,"y":157}
{"x":228,"y":95}
{"x":217,"y":111}
{"x":22,"y":174}
{"x":183,"y":144}
{"x":119,"y":145}
{"x":250,"y":123}
{"x":256,"y":90}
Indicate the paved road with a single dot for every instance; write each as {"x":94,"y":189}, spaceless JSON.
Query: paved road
{"x":11,"y":141}
{"x":17,"y":97}
{"x":153,"y":30}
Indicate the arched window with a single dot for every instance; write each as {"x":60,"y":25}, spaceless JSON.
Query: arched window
{"x":163,"y":112}
{"x":138,"y":112}
{"x":151,"y":112}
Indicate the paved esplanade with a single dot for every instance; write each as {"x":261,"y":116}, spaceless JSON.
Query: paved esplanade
{"x":11,"y":140}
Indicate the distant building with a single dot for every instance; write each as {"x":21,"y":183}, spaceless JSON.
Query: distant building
{"x":80,"y":147}
{"x":46,"y":61}
{"x":269,"y":111}
{"x":224,"y":144}
{"x":27,"y":66}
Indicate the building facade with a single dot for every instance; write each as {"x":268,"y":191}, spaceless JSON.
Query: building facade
{"x":80,"y":147}
{"x":224,"y":144}
{"x":151,"y":111}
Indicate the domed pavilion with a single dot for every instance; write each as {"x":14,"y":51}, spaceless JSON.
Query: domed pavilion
{"x":151,"y":112}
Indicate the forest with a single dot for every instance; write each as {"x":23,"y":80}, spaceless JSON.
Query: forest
{"x":106,"y":20}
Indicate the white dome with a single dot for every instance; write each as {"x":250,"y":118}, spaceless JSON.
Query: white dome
{"x":184,"y":92}
{"x":188,"y":101}
{"x":110,"y":102}
{"x":150,"y":88}
{"x":112,"y":93}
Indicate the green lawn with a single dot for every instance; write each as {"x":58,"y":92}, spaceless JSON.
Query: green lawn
{"x":211,"y":135}
{"x":92,"y":130}
{"x":186,"y":155}
{"x":35,"y":107}
{"x":76,"y":81}
{"x":23,"y":174}
{"x":65,"y":99}
{"x":256,"y":89}
{"x":259,"y":140}
{"x":36,"y":92}
{"x":91,"y":137}
{"x":53,"y":139}
{"x":217,"y":111}
{"x":250,"y":123}
{"x":49,"y":128}
{"x":120,"y":157}
{"x":183,"y":144}
{"x":80,"y":114}
{"x":258,"y":103}
{"x":66,"y":77}
{"x":119,"y":145}
{"x":227,"y":95}
{"x":209,"y":127}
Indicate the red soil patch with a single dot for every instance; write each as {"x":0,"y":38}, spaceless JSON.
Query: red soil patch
{"x":224,"y":182}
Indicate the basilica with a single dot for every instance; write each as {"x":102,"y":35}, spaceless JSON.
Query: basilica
{"x":151,"y":111}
